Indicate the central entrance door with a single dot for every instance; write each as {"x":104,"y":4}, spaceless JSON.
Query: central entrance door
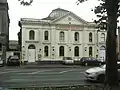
{"x":31,"y":53}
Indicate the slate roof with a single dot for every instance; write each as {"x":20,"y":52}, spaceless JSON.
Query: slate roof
{"x":56,"y":13}
{"x":32,"y":20}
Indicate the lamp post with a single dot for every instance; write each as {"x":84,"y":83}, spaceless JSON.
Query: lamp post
{"x":97,"y":55}
{"x":4,"y":54}
{"x":97,"y":37}
{"x":117,"y":41}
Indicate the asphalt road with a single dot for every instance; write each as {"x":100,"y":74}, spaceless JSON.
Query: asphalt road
{"x":40,"y":77}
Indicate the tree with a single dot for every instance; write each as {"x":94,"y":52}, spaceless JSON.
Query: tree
{"x":19,"y":40}
{"x":108,"y":11}
{"x":25,"y":3}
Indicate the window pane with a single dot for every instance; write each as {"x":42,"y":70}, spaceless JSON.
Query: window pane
{"x":62,"y":36}
{"x":46,"y":35}
{"x":90,"y":37}
{"x":76,"y":51}
{"x":76,"y":36}
{"x":61,"y":51}
{"x":46,"y":50}
{"x":90,"y":51}
{"x":31,"y":35}
{"x":102,"y":37}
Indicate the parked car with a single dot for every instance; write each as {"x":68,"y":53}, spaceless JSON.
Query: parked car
{"x":68,"y":60}
{"x":98,"y":73}
{"x":90,"y":61}
{"x":1,"y":62}
{"x":13,"y":60}
{"x":77,"y":61}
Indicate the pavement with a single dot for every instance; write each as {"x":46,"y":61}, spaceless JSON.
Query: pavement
{"x":37,"y":66}
{"x":52,"y":75}
{"x":49,"y":66}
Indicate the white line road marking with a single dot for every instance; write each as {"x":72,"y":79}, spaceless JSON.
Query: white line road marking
{"x":12,"y":71}
{"x":35,"y":72}
{"x":81,"y":72}
{"x":9,"y":72}
{"x":65,"y":71}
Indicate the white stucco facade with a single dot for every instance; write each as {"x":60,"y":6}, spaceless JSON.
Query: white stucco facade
{"x":61,"y":34}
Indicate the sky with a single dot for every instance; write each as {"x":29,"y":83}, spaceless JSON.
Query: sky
{"x":42,"y":8}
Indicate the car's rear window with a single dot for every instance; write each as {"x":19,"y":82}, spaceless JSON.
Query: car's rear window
{"x":88,"y":58}
{"x":14,"y":57}
{"x":68,"y":58}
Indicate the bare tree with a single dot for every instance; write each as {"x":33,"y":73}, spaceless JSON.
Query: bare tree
{"x":25,"y":3}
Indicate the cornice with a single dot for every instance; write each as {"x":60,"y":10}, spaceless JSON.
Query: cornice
{"x":48,"y":22}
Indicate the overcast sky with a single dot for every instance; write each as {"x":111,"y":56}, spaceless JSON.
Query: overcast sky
{"x":42,"y":8}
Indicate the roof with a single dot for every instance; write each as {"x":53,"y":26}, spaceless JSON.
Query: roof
{"x":54,"y":16}
{"x":32,"y":20}
{"x":56,"y":13}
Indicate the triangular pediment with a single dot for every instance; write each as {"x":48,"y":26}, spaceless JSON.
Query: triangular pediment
{"x":70,"y":18}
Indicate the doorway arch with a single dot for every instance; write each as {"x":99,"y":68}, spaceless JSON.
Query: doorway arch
{"x":31,"y":53}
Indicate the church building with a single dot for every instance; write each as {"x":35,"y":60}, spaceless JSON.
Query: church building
{"x":61,"y":34}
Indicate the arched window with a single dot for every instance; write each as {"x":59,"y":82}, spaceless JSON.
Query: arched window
{"x":31,"y":46}
{"x":31,"y":35}
{"x":61,"y":51}
{"x":90,"y":37}
{"x":46,"y":35}
{"x":76,"y":36}
{"x":76,"y":51}
{"x":62,"y":36}
{"x":102,"y":48}
{"x":90,"y":51}
{"x":102,"y":37}
{"x":46,"y":50}
{"x":102,"y":53}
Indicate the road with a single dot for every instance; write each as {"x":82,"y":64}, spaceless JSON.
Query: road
{"x":40,"y":77}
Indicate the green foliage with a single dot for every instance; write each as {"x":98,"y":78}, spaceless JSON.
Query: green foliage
{"x":81,"y":1}
{"x":101,"y":12}
{"x":25,"y":3}
{"x":108,"y":12}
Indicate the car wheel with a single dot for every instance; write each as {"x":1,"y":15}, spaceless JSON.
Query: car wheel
{"x":101,"y":78}
{"x":86,"y":64}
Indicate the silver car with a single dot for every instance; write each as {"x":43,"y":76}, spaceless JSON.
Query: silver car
{"x":68,"y":60}
{"x":97,"y":73}
{"x":1,"y":62}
